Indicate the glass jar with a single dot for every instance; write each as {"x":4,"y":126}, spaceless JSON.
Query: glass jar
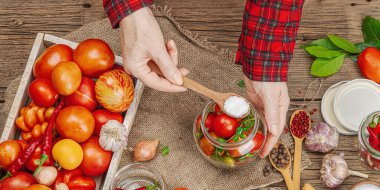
{"x":232,"y":152}
{"x":368,"y":154}
{"x":134,"y":176}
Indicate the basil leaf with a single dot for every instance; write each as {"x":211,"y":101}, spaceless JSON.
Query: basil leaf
{"x":325,"y":42}
{"x":371,"y":30}
{"x":344,"y":44}
{"x":323,"y":67}
{"x":241,"y":84}
{"x":363,"y":46}
{"x":320,"y":51}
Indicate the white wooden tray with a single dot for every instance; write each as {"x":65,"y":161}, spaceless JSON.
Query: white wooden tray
{"x":41,"y":42}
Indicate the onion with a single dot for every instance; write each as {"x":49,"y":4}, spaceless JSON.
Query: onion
{"x":145,"y":151}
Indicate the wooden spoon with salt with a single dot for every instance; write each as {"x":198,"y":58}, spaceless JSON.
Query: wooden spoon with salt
{"x":219,"y":98}
{"x":297,"y":150}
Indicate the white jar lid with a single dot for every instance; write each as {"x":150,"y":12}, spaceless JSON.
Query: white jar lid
{"x":354,"y":101}
{"x":327,"y":109}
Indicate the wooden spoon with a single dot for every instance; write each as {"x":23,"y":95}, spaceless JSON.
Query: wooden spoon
{"x":297,"y":153}
{"x":284,"y":170}
{"x":218,"y":97}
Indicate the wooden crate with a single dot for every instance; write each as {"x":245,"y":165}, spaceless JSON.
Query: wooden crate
{"x":41,"y":42}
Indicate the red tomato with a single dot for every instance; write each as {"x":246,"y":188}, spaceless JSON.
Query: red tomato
{"x":84,"y":96}
{"x":20,"y":181}
{"x":10,"y":150}
{"x":75,"y":122}
{"x":66,"y":78}
{"x":218,"y":109}
{"x":369,"y":63}
{"x":258,"y":141}
{"x":206,"y":146}
{"x":42,"y":92}
{"x":102,"y":116}
{"x":32,"y":163}
{"x":225,"y":126}
{"x":95,"y":159}
{"x":75,"y":180}
{"x":94,"y":57}
{"x":22,"y":143}
{"x":38,"y":187}
{"x":50,"y":58}
{"x":210,"y":120}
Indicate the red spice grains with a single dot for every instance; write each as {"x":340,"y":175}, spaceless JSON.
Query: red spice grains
{"x":300,"y":124}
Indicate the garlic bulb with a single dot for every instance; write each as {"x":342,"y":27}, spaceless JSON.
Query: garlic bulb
{"x":335,"y":170}
{"x":321,"y":138}
{"x":46,"y":175}
{"x":113,"y":136}
{"x":145,"y":150}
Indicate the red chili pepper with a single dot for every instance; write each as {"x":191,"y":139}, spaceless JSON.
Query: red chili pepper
{"x":19,"y":163}
{"x":377,"y":128}
{"x":47,"y":138}
{"x":373,"y":139}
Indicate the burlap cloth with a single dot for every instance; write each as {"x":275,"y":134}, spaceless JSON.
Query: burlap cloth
{"x":169,"y":117}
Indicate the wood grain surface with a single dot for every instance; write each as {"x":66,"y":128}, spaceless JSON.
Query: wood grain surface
{"x":219,"y":21}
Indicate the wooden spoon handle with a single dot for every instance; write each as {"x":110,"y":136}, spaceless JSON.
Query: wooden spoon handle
{"x":288,"y":180}
{"x":297,"y":163}
{"x":188,"y":83}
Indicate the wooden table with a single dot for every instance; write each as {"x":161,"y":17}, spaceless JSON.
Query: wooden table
{"x":220,"y":22}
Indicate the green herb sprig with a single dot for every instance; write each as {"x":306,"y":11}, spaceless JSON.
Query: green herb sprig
{"x":245,"y":125}
{"x":165,"y":151}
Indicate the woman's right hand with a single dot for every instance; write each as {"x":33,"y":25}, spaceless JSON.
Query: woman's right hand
{"x":142,"y":41}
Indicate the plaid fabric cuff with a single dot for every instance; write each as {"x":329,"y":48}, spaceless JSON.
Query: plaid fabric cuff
{"x":118,"y":9}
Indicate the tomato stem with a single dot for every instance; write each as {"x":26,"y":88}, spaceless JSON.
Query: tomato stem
{"x":44,"y":157}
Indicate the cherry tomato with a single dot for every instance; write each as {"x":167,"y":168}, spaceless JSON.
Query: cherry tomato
{"x":50,"y":58}
{"x":20,"y":123}
{"x":19,"y":181}
{"x":225,"y":126}
{"x":75,"y":122}
{"x":258,"y":141}
{"x":22,"y":143}
{"x":10,"y":150}
{"x":42,"y":92}
{"x":68,"y":154}
{"x":32,"y":163}
{"x":94,"y":57}
{"x":210,"y":120}
{"x":30,"y":118}
{"x":218,"y":109}
{"x":102,"y":116}
{"x":40,"y":113}
{"x":206,"y":146}
{"x":38,"y":187}
{"x":74,"y":180}
{"x":84,"y":96}
{"x":369,"y":63}
{"x":36,"y":131}
{"x":48,"y":113}
{"x":27,"y":136}
{"x":66,"y":78}
{"x":95,"y":159}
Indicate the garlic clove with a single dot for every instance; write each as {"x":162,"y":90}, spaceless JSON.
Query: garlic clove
{"x":61,"y":186}
{"x":113,"y":136}
{"x":145,"y":150}
{"x":46,"y":175}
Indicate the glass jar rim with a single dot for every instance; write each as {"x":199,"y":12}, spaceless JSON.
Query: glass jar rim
{"x":225,"y":145}
{"x":143,"y":166}
{"x":363,"y":140}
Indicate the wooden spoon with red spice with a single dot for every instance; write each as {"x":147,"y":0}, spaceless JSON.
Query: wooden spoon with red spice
{"x":300,"y":124}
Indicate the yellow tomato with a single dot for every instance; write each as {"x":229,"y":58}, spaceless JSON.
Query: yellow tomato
{"x":38,"y":187}
{"x":68,"y":154}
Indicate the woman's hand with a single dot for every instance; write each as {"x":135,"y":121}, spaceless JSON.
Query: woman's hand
{"x":142,"y":41}
{"x":271,"y":99}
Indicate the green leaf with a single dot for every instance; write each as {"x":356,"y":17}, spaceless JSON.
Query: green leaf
{"x":323,"y":67}
{"x":377,"y":45}
{"x":241,"y":84}
{"x":344,"y":44}
{"x":371,"y":30}
{"x":165,"y":151}
{"x":363,"y":46}
{"x":320,"y":51}
{"x":325,"y":42}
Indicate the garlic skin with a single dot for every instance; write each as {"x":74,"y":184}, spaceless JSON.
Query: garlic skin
{"x":145,"y":151}
{"x":113,"y":136}
{"x":46,"y":175}
{"x":61,"y":186}
{"x":335,"y":170}
{"x":322,"y":138}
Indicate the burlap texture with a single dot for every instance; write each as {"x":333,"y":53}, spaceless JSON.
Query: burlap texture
{"x":169,"y":117}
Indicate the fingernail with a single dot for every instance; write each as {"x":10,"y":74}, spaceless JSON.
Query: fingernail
{"x":177,"y":78}
{"x":172,"y":44}
{"x":275,"y":130}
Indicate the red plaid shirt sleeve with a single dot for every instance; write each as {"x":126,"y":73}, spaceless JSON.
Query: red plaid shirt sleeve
{"x":268,"y":38}
{"x":118,"y":9}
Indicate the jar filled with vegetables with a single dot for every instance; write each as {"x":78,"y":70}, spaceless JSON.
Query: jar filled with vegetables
{"x":228,"y":142}
{"x":369,"y":142}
